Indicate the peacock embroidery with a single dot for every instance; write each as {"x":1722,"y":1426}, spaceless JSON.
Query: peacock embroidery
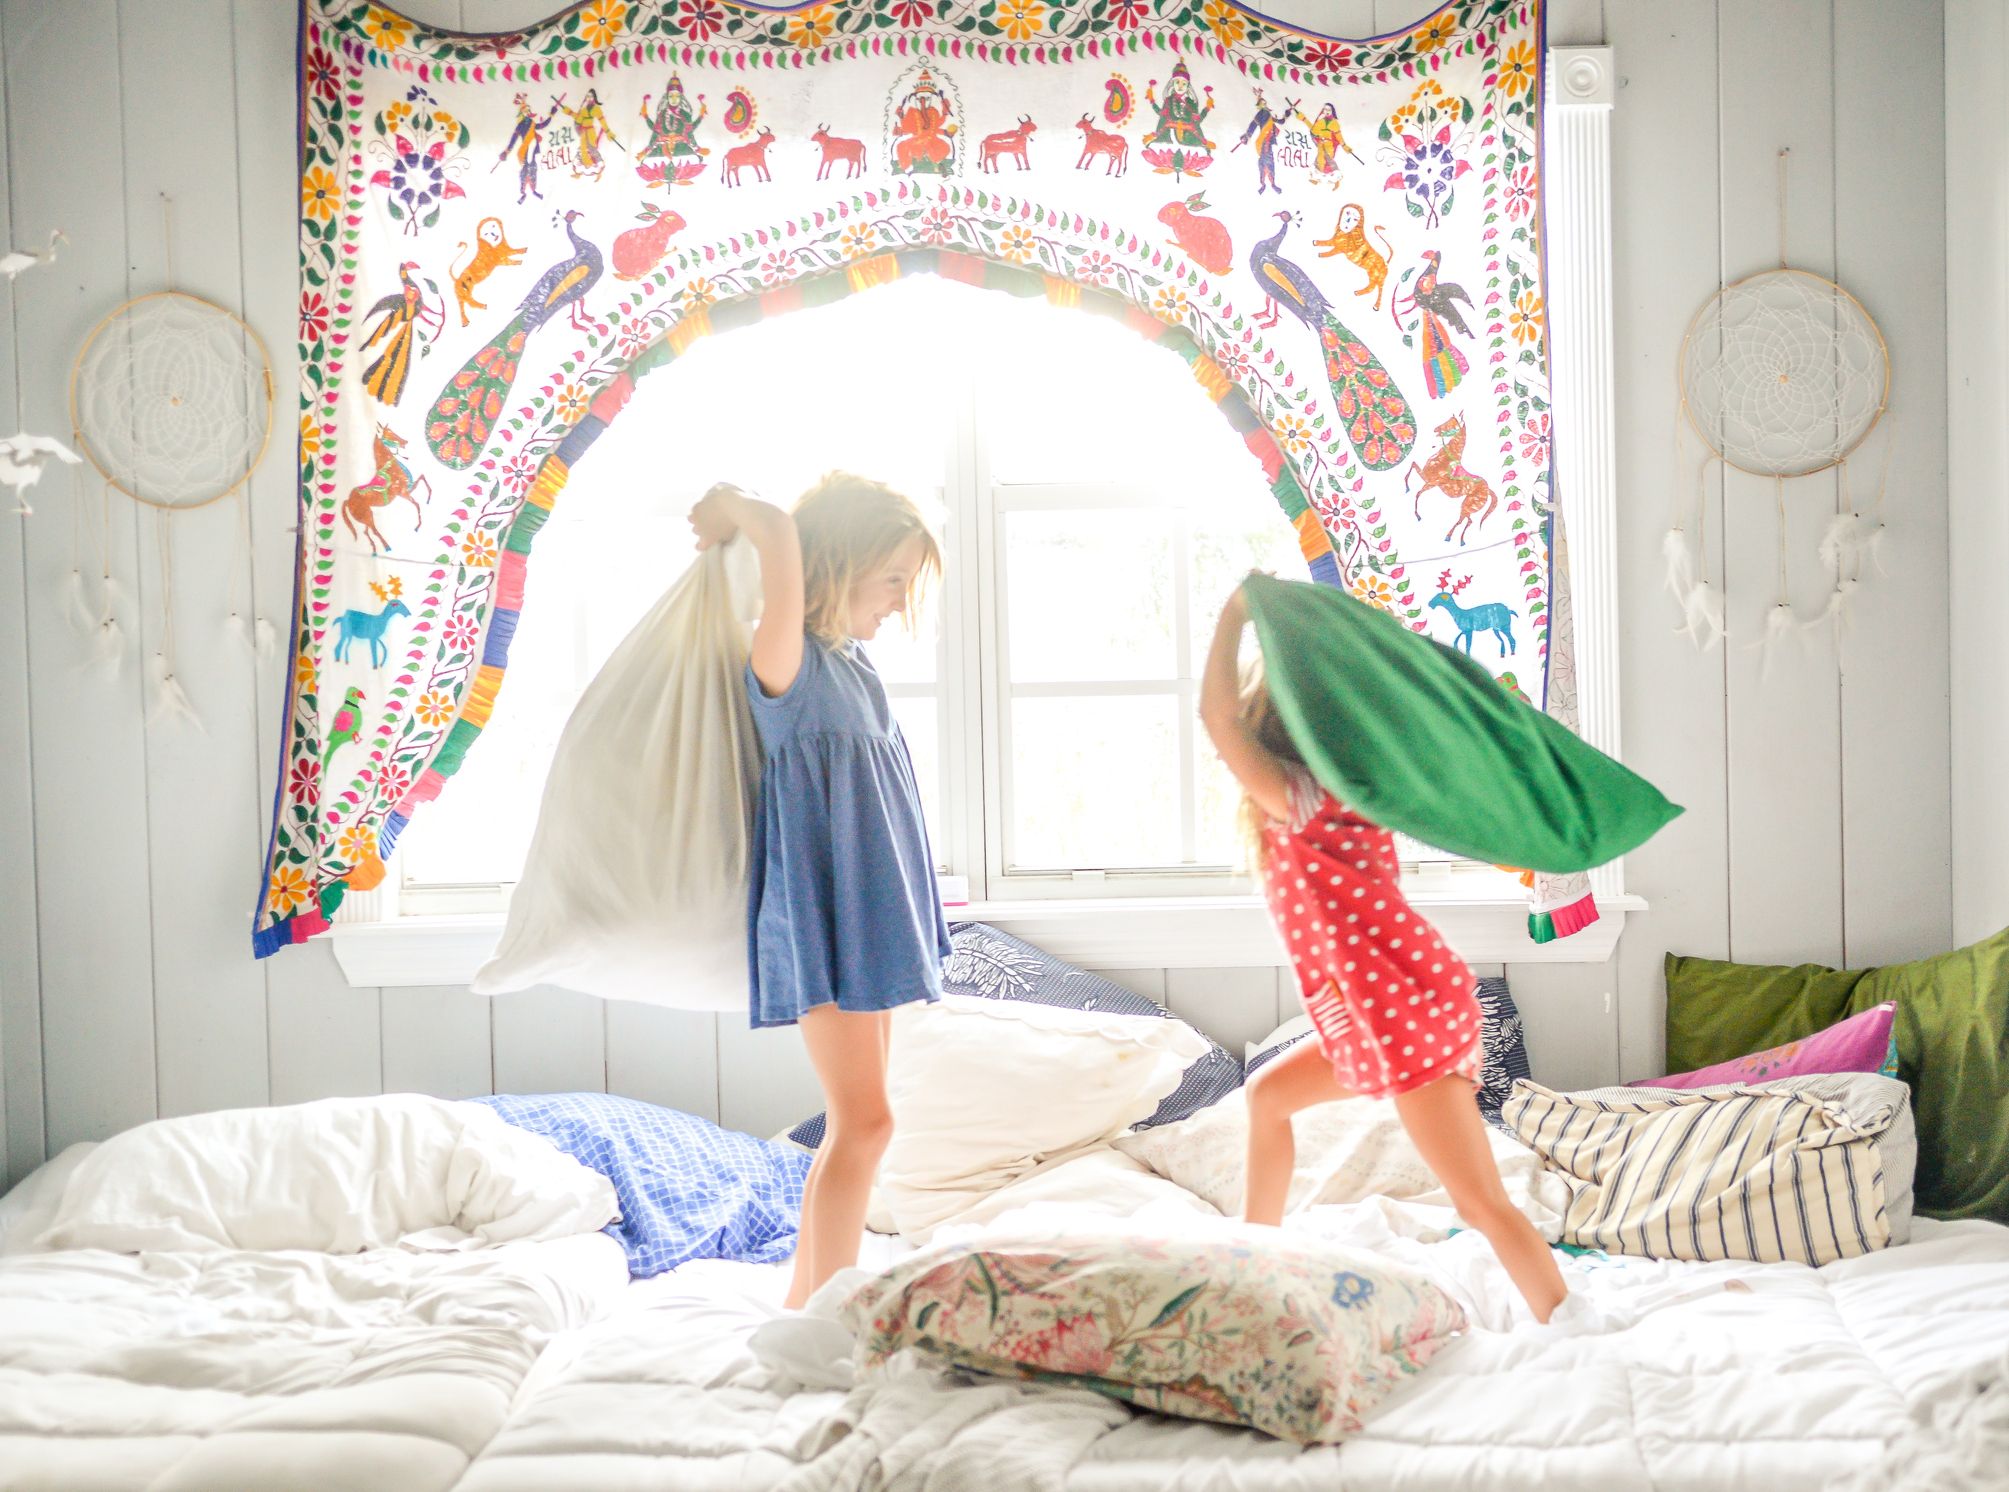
{"x":464,"y":414}
{"x":1377,"y":419}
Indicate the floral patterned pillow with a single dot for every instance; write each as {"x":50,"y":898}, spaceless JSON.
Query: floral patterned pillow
{"x":1287,"y":1336}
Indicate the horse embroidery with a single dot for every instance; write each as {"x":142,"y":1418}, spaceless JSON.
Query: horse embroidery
{"x":392,"y":482}
{"x":1468,"y":489}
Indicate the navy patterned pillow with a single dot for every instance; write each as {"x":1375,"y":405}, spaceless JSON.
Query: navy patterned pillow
{"x":990,"y":964}
{"x":1503,"y":1051}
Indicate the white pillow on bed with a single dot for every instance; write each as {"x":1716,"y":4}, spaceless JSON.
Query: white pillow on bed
{"x":983,"y":1091}
{"x":27,"y":1211}
{"x":338,"y":1176}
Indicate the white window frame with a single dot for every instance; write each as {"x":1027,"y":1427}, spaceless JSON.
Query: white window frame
{"x":437,"y":936}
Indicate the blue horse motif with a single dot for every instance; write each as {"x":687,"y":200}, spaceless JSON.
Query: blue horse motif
{"x":369,"y":625}
{"x":1495,"y":617}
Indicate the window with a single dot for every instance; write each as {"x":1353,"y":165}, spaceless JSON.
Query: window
{"x":1094,"y":508}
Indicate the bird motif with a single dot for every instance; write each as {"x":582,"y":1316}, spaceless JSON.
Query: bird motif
{"x":1436,"y":301}
{"x":404,"y":310}
{"x":461,"y":418}
{"x":345,"y":727}
{"x":1372,"y":410}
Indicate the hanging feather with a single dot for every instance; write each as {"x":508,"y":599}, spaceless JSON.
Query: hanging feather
{"x":1842,"y":545}
{"x":76,"y":607}
{"x":234,"y":625}
{"x":1779,"y":625}
{"x":1841,"y":601}
{"x":265,"y":638}
{"x":1870,"y":546}
{"x":170,"y":700}
{"x":1680,"y":558}
{"x":108,"y":645}
{"x":1703,"y":608}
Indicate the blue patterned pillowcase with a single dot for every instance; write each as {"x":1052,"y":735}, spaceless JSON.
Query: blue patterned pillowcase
{"x":688,"y":1189}
{"x":993,"y":965}
{"x":1503,"y":1058}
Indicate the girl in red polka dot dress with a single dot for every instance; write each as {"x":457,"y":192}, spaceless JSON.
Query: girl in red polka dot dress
{"x":1393,"y":1008}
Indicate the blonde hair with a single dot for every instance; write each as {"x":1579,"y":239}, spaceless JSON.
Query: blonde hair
{"x":1260,"y":718}
{"x":849,"y":526}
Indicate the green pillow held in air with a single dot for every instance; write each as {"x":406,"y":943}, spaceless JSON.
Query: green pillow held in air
{"x":1420,"y":739}
{"x":1952,"y":1047}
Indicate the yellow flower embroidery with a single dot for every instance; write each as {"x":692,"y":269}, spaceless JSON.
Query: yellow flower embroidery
{"x":289,"y":891}
{"x":1225,"y":22}
{"x":386,"y":30}
{"x":1429,"y":38}
{"x":358,"y":843}
{"x":602,"y":21}
{"x":399,"y":111}
{"x":477,"y":551}
{"x":445,"y":123}
{"x":1374,"y":591}
{"x":1020,"y":19}
{"x":1517,"y":73}
{"x":319,"y":196}
{"x":1171,"y":304}
{"x":434,"y":708}
{"x":310,"y":437}
{"x":812,"y":28}
{"x":572,"y":402}
{"x":859,"y":240}
{"x":303,"y":673}
{"x":1525,"y":322}
{"x":1016,"y":245}
{"x":698,"y":294}
{"x":1294,"y":434}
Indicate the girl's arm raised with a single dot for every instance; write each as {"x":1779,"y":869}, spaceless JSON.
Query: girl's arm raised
{"x":1261,"y":775}
{"x":777,"y":640}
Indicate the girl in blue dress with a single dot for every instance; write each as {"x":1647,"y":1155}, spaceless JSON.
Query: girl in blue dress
{"x":843,"y":919}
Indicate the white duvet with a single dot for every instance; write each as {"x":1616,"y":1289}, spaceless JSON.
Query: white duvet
{"x":536,"y":1365}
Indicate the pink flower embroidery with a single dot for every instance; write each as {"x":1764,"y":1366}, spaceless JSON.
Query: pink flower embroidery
{"x":1073,"y":1344}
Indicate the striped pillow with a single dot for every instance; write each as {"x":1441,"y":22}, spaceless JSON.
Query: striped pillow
{"x":1765,"y":1174}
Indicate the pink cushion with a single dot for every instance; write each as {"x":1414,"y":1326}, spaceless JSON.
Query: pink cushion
{"x":1857,"y":1044}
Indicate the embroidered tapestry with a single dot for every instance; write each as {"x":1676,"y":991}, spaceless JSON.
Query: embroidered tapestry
{"x":500,"y":234}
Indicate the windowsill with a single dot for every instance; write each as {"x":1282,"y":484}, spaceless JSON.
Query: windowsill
{"x":1211,"y":932}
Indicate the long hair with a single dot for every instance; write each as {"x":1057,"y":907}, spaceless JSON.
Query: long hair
{"x":849,"y":526}
{"x":1259,"y":715}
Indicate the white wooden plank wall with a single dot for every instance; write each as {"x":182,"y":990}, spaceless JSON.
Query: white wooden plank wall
{"x":1817,"y":822}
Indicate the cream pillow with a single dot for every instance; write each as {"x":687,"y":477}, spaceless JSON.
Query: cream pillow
{"x":983,"y":1091}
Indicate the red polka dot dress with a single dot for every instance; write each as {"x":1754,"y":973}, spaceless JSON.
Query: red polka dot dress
{"x":1393,"y":1007}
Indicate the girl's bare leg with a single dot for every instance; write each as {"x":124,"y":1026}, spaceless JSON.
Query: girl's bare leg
{"x":1298,"y":1079}
{"x":1443,"y":1120}
{"x":849,"y":1050}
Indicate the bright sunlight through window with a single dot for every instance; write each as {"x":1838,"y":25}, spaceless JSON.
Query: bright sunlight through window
{"x":1094,"y":508}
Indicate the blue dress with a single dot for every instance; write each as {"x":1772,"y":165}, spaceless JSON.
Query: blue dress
{"x":841,"y":901}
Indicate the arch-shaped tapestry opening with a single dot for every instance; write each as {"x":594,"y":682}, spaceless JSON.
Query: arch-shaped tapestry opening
{"x":1080,"y":394}
{"x":1340,"y":239}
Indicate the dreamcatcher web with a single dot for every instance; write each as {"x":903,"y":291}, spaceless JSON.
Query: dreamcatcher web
{"x":171,"y":400}
{"x":1784,"y":374}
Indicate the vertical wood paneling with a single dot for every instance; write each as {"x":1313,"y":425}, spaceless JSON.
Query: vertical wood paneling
{"x":437,"y":1041}
{"x":1567,"y":1015}
{"x":1234,"y":1006}
{"x":1890,"y":245}
{"x":550,"y":1041}
{"x":1664,"y":264}
{"x":1977,"y":297}
{"x":324,"y":1037}
{"x":202,"y":810}
{"x":766,"y":1084}
{"x":20,"y":974}
{"x":667,"y":1057}
{"x":65,"y":102}
{"x":1784,"y":728}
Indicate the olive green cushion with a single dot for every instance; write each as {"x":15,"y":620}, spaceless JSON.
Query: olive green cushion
{"x":1952,"y":1044}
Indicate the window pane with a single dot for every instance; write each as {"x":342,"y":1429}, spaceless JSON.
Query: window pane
{"x":1090,"y":595}
{"x":1094,"y":782}
{"x":1247,"y":534}
{"x":921,"y":723}
{"x":1217,"y":829}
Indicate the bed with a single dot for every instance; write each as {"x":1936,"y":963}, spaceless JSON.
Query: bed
{"x":439,"y":1357}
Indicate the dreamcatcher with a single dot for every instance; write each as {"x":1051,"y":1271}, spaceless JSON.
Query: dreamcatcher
{"x":1782,"y":374}
{"x":171,"y":402}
